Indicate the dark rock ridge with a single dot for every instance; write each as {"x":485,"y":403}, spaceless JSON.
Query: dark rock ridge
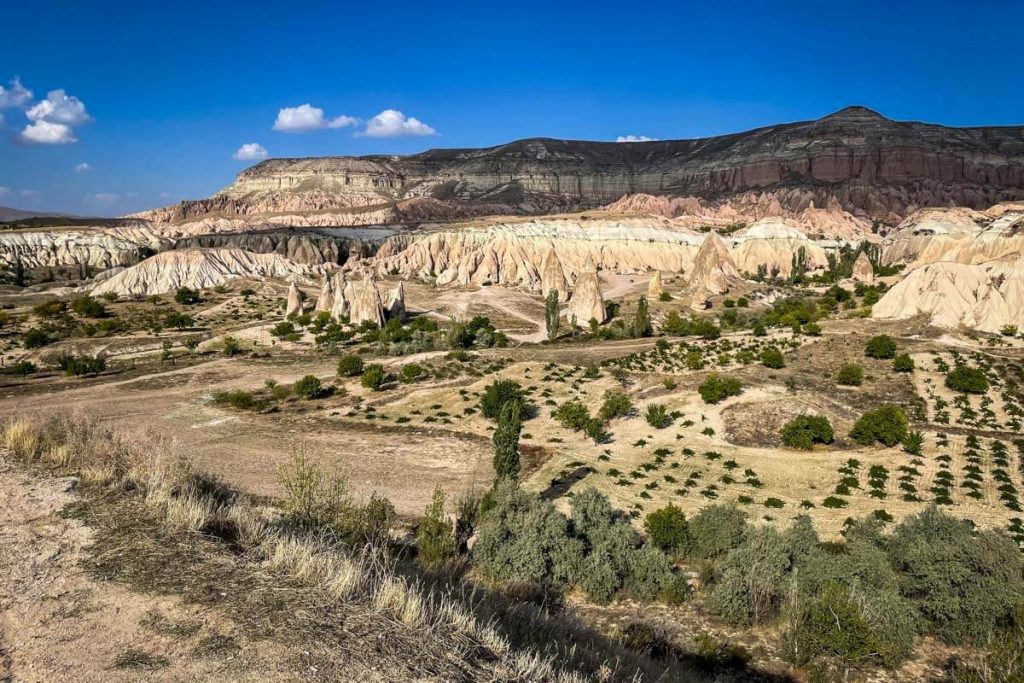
{"x":869,"y":164}
{"x":309,"y":247}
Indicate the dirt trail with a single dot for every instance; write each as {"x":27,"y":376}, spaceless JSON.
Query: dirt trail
{"x":58,"y":624}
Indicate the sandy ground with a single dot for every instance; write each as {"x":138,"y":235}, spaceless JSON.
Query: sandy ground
{"x":58,"y":624}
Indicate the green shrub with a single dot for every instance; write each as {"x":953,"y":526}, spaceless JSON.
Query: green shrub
{"x":435,"y":537}
{"x":667,"y":529}
{"x":598,"y":431}
{"x":886,"y":425}
{"x":35,"y":338}
{"x":773,"y":358}
{"x":812,"y":329}
{"x":913,"y":443}
{"x":717,"y":529}
{"x":903,"y":363}
{"x":967,"y":380}
{"x":572,"y":415}
{"x":78,"y":366}
{"x":880,"y":346}
{"x":804,"y":431}
{"x":716,"y":388}
{"x":285,"y":331}
{"x":236,"y":398}
{"x":657,"y":416}
{"x":350,"y":365}
{"x":412,"y":372}
{"x":506,"y":440}
{"x":497,"y":394}
{"x":88,"y":307}
{"x":374,"y":377}
{"x":186,"y":296}
{"x":850,"y":375}
{"x":309,"y":387}
{"x":616,"y":404}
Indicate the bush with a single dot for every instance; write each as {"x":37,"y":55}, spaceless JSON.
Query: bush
{"x":81,"y":365}
{"x":967,"y":380}
{"x":657,"y":416}
{"x":285,"y":331}
{"x":572,"y":415}
{"x":716,"y":388}
{"x":616,"y":404}
{"x":309,"y":387}
{"x":186,"y":296}
{"x":374,"y":377}
{"x":35,"y":337}
{"x":497,"y":394}
{"x":667,"y":529}
{"x":350,"y":365}
{"x":963,"y":583}
{"x":812,"y":329}
{"x":834,"y":625}
{"x":717,"y":529}
{"x":598,"y":431}
{"x":313,"y":498}
{"x":903,"y":363}
{"x":412,"y":372}
{"x":880,"y":346}
{"x":850,"y":375}
{"x":806,"y":430}
{"x":886,"y":425}
{"x":435,"y":537}
{"x":88,"y":307}
{"x":236,"y":398}
{"x":773,"y":358}
{"x":913,"y":443}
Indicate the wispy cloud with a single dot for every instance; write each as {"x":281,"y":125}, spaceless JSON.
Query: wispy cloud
{"x":634,"y":138}
{"x":15,"y":94}
{"x":306,"y":117}
{"x":83,"y":168}
{"x":250,"y":151}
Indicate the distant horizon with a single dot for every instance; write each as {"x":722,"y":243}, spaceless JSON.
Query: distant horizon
{"x":86,"y":130}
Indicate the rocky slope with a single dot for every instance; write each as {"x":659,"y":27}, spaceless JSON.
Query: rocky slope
{"x":854,"y":159}
{"x":197,"y":269}
{"x":959,"y":234}
{"x":56,"y":248}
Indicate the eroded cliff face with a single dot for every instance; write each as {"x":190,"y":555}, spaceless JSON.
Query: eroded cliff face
{"x":73,"y":248}
{"x":958,"y":234}
{"x":855,"y":160}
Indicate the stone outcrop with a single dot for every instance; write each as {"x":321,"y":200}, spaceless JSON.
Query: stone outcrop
{"x":308,"y":246}
{"x":294,"y":303}
{"x":983,"y":296}
{"x":654,"y":287}
{"x":867,"y":164}
{"x":714,"y":272}
{"x":956,"y":234}
{"x":73,"y":248}
{"x":325,"y":302}
{"x":772,"y":243}
{"x":342,"y":297}
{"x":586,"y":303}
{"x":197,"y":269}
{"x":365,"y":304}
{"x":553,"y":277}
{"x":395,"y":307}
{"x":863,"y":271}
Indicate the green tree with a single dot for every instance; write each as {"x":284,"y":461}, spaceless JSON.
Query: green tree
{"x":186,"y":296}
{"x":435,"y":537}
{"x":497,"y":394}
{"x":804,"y":431}
{"x":309,"y":387}
{"x":642,"y":319}
{"x":771,"y":357}
{"x":716,"y":388}
{"x":886,"y":425}
{"x":551,"y":314}
{"x":880,"y":346}
{"x":668,"y":530}
{"x":374,"y":377}
{"x":966,"y":379}
{"x":350,"y":365}
{"x":506,"y":441}
{"x":850,"y":375}
{"x":903,"y":363}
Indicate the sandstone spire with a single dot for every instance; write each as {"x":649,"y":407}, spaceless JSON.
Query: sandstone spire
{"x":396,"y":303}
{"x":586,"y":302}
{"x":862,"y":270}
{"x":654,"y":287}
{"x":294,"y":305}
{"x":326,"y":300}
{"x":365,"y":305}
{"x":553,"y":277}
{"x":340,"y":306}
{"x":714,"y":271}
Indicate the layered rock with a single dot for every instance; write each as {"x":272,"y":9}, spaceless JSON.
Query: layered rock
{"x":553,"y":277}
{"x":72,"y":248}
{"x":197,"y":269}
{"x":772,"y":243}
{"x":863,"y":271}
{"x":586,"y":303}
{"x":365,"y":303}
{"x":714,"y":271}
{"x":956,"y":234}
{"x":984,"y":296}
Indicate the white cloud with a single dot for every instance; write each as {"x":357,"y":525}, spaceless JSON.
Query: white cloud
{"x":306,"y":117}
{"x":250,"y":151}
{"x":4,"y":191}
{"x":165,"y":195}
{"x":30,"y":194}
{"x":46,"y":133}
{"x":392,"y":123}
{"x":103,"y":197}
{"x":15,"y":95}
{"x":634,"y":138}
{"x":83,"y":168}
{"x":59,"y":107}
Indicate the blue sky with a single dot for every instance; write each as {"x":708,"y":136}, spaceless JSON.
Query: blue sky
{"x":165,"y":93}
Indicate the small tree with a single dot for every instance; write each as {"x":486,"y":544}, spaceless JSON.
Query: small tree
{"x":497,"y":394}
{"x":374,"y":377}
{"x":773,"y":358}
{"x":804,"y":431}
{"x":551,"y":315}
{"x":616,"y":404}
{"x":186,"y":296}
{"x":668,"y":530}
{"x":435,"y":537}
{"x":642,"y":319}
{"x":506,"y":441}
{"x":350,"y":365}
{"x":657,"y":416}
{"x":716,"y":388}
{"x":850,"y":375}
{"x":886,"y":425}
{"x":572,"y":415}
{"x":967,"y":380}
{"x":309,"y":387}
{"x":880,"y":346}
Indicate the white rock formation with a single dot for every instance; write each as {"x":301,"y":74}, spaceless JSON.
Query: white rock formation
{"x":772,"y":242}
{"x":586,"y":302}
{"x":553,"y":277}
{"x":714,"y":272}
{"x":294,"y":305}
{"x":654,"y":287}
{"x":956,"y":234}
{"x":342,"y":297}
{"x":863,"y":270}
{"x":325,"y":302}
{"x":197,"y":269}
{"x":396,"y":303}
{"x":70,"y":248}
{"x":983,"y":296}
{"x":365,"y":304}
